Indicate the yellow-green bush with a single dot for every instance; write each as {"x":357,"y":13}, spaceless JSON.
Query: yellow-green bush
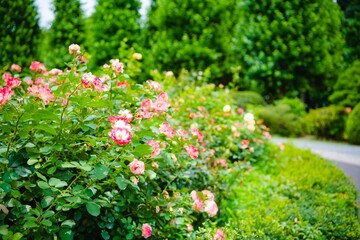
{"x":353,"y":125}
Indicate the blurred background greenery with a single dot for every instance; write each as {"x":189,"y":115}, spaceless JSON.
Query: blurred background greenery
{"x":303,"y":51}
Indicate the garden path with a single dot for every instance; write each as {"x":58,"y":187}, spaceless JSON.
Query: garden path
{"x":344,"y":155}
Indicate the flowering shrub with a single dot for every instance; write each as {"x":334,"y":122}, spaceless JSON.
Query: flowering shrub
{"x":97,"y":156}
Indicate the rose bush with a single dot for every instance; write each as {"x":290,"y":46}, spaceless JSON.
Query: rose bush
{"x":90,"y":156}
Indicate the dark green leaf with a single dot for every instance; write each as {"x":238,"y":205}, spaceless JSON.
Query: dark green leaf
{"x":48,"y":214}
{"x":5,"y":187}
{"x":66,"y":234}
{"x":43,"y":185}
{"x":93,"y":209}
{"x":47,"y":128}
{"x":121,"y":182}
{"x":32,"y":161}
{"x":68,"y":223}
{"x":46,"y":222}
{"x":46,"y":201}
{"x":101,"y":171}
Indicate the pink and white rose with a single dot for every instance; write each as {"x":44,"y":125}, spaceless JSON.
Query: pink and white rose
{"x":137,"y":167}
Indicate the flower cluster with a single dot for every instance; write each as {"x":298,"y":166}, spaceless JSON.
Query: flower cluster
{"x":205,"y":203}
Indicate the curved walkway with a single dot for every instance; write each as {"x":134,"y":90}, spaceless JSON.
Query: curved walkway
{"x":345,"y":156}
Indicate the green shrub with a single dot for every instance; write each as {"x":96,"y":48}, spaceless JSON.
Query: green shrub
{"x":353,"y":126}
{"x":297,"y":195}
{"x":347,"y":88}
{"x":327,"y":122}
{"x":245,"y":98}
{"x":285,"y":117}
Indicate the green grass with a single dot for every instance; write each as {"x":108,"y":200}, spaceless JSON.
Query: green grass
{"x":297,"y":195}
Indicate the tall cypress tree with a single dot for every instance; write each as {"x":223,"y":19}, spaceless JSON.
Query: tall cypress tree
{"x":193,"y":35}
{"x":19,"y":32}
{"x":68,"y":27}
{"x":351,"y":10}
{"x":113,"y":22}
{"x":291,"y":48}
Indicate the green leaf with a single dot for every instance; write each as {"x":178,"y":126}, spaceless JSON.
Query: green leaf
{"x":46,"y":222}
{"x":43,"y":185}
{"x":31,"y":224}
{"x":74,"y":199}
{"x":91,"y":125}
{"x":41,"y":176}
{"x":101,"y":171}
{"x":5,"y":187}
{"x":47,"y":128}
{"x":151,"y":174}
{"x":48,"y":214}
{"x":82,"y":69}
{"x":89,"y":118}
{"x":32,"y":161}
{"x":86,"y":168}
{"x":17,"y":236}
{"x":55,"y":182}
{"x":105,"y":235}
{"x":68,"y":165}
{"x":93,"y":209}
{"x":4,"y":229}
{"x":68,"y":223}
{"x":142,"y":149}
{"x":121,"y":182}
{"x":46,"y":201}
{"x":66,"y":234}
{"x":51,"y":170}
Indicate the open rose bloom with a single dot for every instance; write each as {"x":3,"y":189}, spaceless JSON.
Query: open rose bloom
{"x":146,"y":230}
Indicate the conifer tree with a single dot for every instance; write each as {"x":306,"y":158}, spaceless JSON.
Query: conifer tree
{"x":193,"y":35}
{"x":68,"y":27}
{"x":19,"y":32}
{"x":112,"y":23}
{"x":291,"y":48}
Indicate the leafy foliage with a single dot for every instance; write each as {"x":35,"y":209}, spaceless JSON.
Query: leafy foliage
{"x":294,"y":195}
{"x":193,"y":35}
{"x":245,"y":98}
{"x":290,"y":48}
{"x":353,"y":126}
{"x":19,"y":32}
{"x":351,"y":24}
{"x":328,"y":122}
{"x":109,"y":28}
{"x":88,"y":156}
{"x":347,"y":88}
{"x":284,"y":117}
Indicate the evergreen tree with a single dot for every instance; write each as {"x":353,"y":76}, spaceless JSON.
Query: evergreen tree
{"x":291,"y":48}
{"x":68,"y":27}
{"x":191,"y":34}
{"x":19,"y":32}
{"x":112,"y":23}
{"x":351,"y":10}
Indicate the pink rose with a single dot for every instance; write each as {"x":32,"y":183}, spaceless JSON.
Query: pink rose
{"x":155,"y":86}
{"x":41,"y":91}
{"x":120,"y":135}
{"x":74,"y":49}
{"x":147,"y":105}
{"x":5,"y":95}
{"x":13,"y":82}
{"x":163,"y":96}
{"x":196,"y":132}
{"x":146,"y":230}
{"x":144,"y":114}
{"x":156,"y":147}
{"x":166,"y":129}
{"x":137,"y":167}
{"x":117,"y":66}
{"x":219,"y":235}
{"x":211,"y":208}
{"x":38,"y":67}
{"x":161,"y":106}
{"x":126,"y":115}
{"x":192,"y":151}
{"x":245,"y":144}
{"x":183,"y":134}
{"x":198,"y":203}
{"x":209,"y":195}
{"x":189,"y":227}
{"x":15,"y":68}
